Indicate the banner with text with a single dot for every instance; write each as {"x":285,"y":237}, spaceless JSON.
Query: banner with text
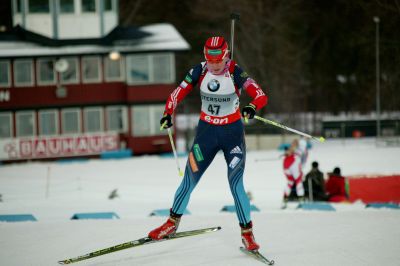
{"x":57,"y":146}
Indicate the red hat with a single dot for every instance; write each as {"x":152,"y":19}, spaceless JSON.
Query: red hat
{"x":215,"y":49}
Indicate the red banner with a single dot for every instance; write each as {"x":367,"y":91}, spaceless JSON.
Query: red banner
{"x":376,"y":189}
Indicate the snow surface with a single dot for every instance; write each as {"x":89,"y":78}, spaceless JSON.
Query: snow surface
{"x":53,"y":192}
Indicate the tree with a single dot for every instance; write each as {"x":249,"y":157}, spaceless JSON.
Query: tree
{"x":295,"y":49}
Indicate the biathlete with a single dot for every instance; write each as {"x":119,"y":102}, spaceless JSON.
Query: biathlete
{"x":220,"y":127}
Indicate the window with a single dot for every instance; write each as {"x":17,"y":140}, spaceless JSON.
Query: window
{"x":93,"y":119}
{"x":6,"y":125}
{"x":45,"y":71}
{"x":91,"y":69}
{"x":146,"y":120}
{"x":17,"y":6}
{"x":150,"y":68}
{"x":117,"y":118}
{"x":48,"y":122}
{"x":38,"y":6}
{"x":141,"y":121}
{"x":113,"y":69}
{"x":23,"y":72}
{"x":67,"y":6}
{"x":26,"y":123}
{"x":108,"y":5}
{"x":71,"y":75}
{"x":5,"y":78}
{"x":162,"y":68}
{"x":88,"y":6}
{"x":138,"y":69}
{"x":71,"y":121}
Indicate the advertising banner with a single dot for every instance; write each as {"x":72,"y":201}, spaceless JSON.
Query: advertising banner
{"x":57,"y":146}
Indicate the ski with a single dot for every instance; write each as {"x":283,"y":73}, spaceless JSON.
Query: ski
{"x":136,"y":243}
{"x":257,"y":255}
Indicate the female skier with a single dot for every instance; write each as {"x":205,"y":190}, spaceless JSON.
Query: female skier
{"x":221,"y":82}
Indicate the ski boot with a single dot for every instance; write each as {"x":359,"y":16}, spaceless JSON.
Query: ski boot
{"x":166,"y":229}
{"x":284,"y":202}
{"x":248,"y":238}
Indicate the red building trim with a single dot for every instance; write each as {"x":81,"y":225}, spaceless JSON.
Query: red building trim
{"x":149,"y":93}
{"x":83,"y":94}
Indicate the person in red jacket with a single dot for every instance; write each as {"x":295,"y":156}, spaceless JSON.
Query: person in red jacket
{"x":294,"y":174}
{"x":336,"y":186}
{"x":221,"y":82}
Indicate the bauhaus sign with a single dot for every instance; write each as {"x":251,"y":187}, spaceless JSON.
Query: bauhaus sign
{"x":58,"y":146}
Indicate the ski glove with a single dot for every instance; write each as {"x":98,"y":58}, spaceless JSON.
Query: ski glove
{"x":249,"y":111}
{"x":168,"y":118}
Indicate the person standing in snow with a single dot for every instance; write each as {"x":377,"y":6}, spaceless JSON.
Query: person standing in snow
{"x":221,"y":82}
{"x":292,"y":169}
{"x":302,"y":150}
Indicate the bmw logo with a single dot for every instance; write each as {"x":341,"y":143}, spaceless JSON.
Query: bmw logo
{"x":213,"y":85}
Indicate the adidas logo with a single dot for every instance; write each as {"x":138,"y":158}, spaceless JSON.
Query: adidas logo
{"x":236,"y":150}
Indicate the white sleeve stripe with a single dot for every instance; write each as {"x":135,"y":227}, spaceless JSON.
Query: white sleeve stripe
{"x":259,"y":94}
{"x":174,"y":97}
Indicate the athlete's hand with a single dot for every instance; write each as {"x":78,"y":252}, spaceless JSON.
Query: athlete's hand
{"x":167,"y":119}
{"x":249,"y":111}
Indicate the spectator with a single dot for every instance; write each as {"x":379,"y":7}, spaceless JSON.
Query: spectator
{"x":315,"y":180}
{"x":336,"y":186}
{"x":302,"y":150}
{"x":292,"y":169}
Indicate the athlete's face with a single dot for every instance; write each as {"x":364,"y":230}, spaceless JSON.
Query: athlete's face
{"x":216,"y":67}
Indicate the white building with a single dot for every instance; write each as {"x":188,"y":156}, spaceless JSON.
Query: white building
{"x":66,"y":19}
{"x":62,"y":94}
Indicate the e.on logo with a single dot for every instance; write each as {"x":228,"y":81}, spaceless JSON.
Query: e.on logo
{"x":216,"y":120}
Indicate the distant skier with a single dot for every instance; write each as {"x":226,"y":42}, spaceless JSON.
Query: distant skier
{"x":294,"y":175}
{"x":220,"y":127}
{"x":302,"y":150}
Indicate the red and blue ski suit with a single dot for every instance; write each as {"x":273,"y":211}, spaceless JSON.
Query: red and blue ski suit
{"x":220,"y":128}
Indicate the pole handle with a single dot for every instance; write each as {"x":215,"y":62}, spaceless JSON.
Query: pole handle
{"x":163,"y":125}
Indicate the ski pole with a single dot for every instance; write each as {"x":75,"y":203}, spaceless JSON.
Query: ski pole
{"x":234,"y":17}
{"x":267,"y":121}
{"x":171,"y":140}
